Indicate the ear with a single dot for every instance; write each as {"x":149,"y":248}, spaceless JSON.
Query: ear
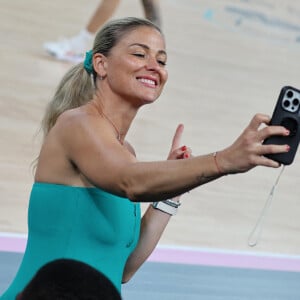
{"x":100,"y":64}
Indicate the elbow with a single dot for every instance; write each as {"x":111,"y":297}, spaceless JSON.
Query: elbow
{"x":135,"y":185}
{"x":136,"y":192}
{"x":136,"y":196}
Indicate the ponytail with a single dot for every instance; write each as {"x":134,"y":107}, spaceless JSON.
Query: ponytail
{"x":75,"y":89}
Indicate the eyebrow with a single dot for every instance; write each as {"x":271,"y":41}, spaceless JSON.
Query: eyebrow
{"x":146,"y":47}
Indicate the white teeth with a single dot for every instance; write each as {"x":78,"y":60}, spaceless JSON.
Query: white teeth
{"x":149,"y":81}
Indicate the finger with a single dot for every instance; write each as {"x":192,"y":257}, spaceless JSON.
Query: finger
{"x":177,"y":137}
{"x":273,"y":149}
{"x":257,"y":120}
{"x":272,"y":130}
{"x":267,"y":162}
{"x":187,"y":153}
{"x":178,"y":153}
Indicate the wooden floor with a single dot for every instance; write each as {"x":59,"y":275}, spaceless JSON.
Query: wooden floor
{"x":227,"y":60}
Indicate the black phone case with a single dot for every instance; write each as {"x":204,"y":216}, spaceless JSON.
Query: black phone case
{"x":287,"y":114}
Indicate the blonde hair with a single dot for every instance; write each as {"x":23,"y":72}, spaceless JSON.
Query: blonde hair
{"x":115,"y":30}
{"x":74,"y":90}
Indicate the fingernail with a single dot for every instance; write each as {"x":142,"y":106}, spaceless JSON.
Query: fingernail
{"x":186,"y":155}
{"x":288,"y":148}
{"x":183,"y":148}
{"x":287,"y":132}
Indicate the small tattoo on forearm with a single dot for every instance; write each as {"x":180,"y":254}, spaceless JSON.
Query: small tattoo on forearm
{"x":203,"y":178}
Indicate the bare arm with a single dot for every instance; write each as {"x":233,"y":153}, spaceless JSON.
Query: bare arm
{"x":109,"y":165}
{"x":153,"y":225}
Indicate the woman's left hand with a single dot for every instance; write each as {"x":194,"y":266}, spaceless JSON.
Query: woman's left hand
{"x":177,"y":151}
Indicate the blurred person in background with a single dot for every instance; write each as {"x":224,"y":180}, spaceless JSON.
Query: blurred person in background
{"x":73,"y":49}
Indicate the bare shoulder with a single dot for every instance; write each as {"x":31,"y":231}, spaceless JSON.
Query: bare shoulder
{"x":74,"y":117}
{"x":78,"y":121}
{"x":82,"y":130}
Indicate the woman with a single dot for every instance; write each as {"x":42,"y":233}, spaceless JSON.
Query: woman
{"x":84,"y":203}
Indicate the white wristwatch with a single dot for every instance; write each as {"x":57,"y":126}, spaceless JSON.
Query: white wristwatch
{"x":168,"y":206}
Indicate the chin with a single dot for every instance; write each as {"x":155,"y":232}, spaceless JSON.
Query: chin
{"x":148,"y":100}
{"x":144,"y":99}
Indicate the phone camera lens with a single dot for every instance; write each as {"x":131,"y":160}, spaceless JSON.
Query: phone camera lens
{"x":286,"y":103}
{"x":296,"y":102}
{"x":289,"y":94}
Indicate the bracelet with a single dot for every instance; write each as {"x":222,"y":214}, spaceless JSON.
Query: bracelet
{"x":216,"y":163}
{"x":168,"y":206}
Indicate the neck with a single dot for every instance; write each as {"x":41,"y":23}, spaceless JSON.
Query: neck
{"x":115,"y":116}
{"x":120,"y":136}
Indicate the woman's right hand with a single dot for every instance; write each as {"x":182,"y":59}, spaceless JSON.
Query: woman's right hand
{"x":248,"y":151}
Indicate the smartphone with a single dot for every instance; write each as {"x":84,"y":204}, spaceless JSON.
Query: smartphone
{"x":287,"y":114}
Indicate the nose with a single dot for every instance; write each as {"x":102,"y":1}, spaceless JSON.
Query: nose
{"x":152,"y":64}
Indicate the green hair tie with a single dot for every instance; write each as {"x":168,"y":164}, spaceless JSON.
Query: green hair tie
{"x":88,"y":62}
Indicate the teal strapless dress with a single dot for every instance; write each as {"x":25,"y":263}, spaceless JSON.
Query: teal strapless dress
{"x":86,"y":224}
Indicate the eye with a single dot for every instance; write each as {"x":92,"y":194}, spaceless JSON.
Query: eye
{"x":139,"y":54}
{"x":162,"y":62}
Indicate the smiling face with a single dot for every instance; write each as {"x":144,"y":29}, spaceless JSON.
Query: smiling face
{"x":135,"y":67}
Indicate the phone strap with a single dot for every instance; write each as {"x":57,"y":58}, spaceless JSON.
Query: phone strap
{"x":257,"y":230}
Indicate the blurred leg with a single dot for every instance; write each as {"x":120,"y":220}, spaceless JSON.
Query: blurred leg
{"x":103,"y":13}
{"x":151,"y":10}
{"x":73,"y":49}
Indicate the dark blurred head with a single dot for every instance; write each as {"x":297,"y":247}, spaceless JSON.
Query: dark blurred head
{"x":66,"y":279}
